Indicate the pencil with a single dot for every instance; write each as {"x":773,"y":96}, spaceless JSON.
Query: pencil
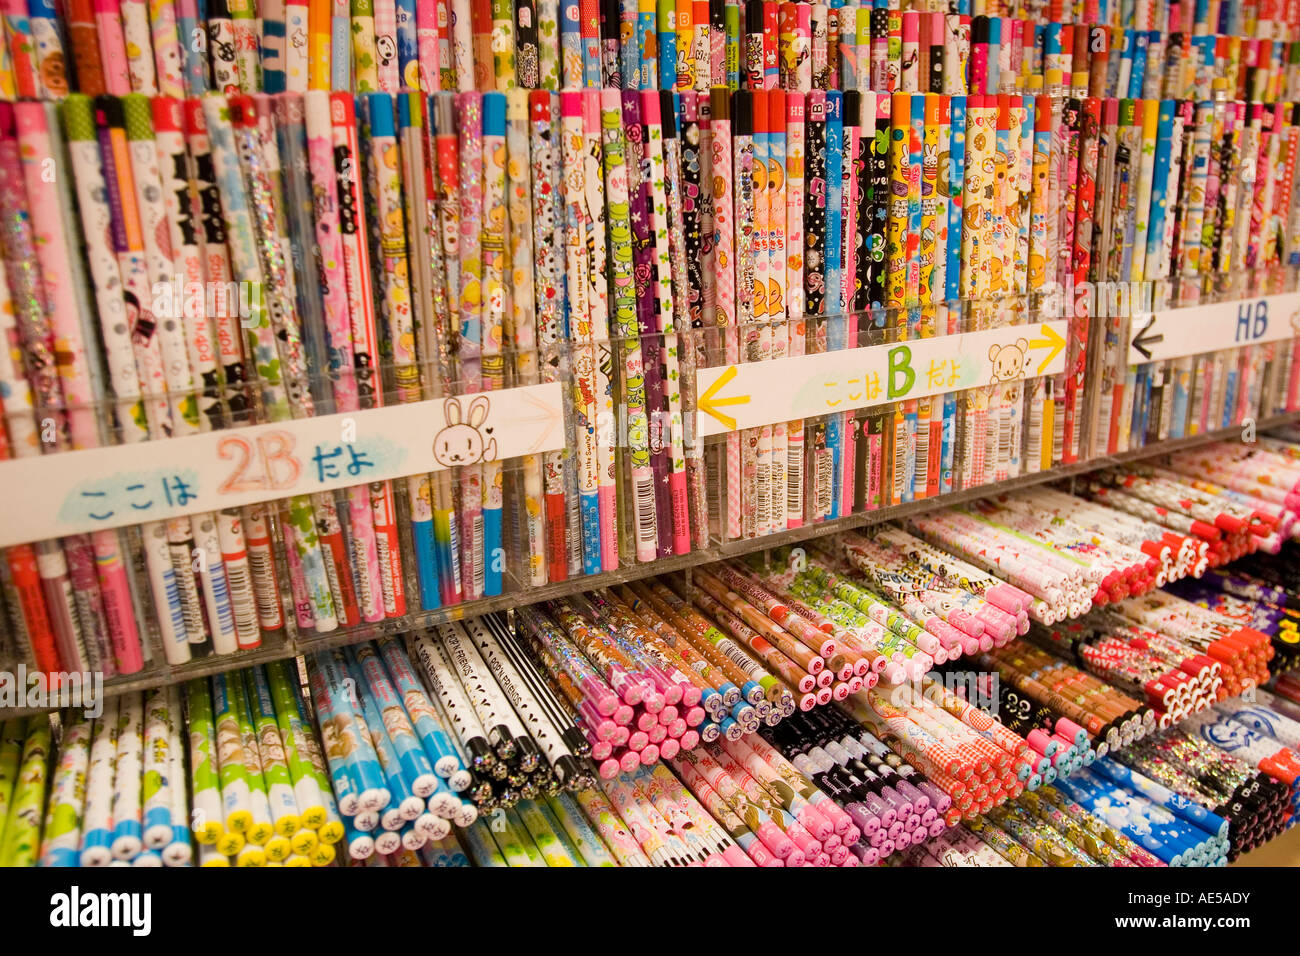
{"x":543,"y":109}
{"x":530,"y":532}
{"x":747,"y":303}
{"x":446,"y":528}
{"x":795,"y":168}
{"x":833,"y":306}
{"x":246,"y":541}
{"x":777,"y":313}
{"x":666,"y":297}
{"x":364,"y":337}
{"x":598,"y":297}
{"x":344,"y":392}
{"x":262,"y":342}
{"x":646,"y":302}
{"x":494,"y":255}
{"x":816,"y":456}
{"x":243,"y":18}
{"x":112,"y":47}
{"x":624,"y":300}
{"x":585,"y":405}
{"x":365,"y":52}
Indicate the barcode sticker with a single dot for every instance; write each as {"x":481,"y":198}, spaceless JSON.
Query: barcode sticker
{"x":824,"y":464}
{"x":921,"y":477}
{"x":263,"y":568}
{"x":777,"y":503}
{"x":1105,"y":414}
{"x":749,"y":485}
{"x":1058,"y":431}
{"x":365,"y":597}
{"x":174,"y":609}
{"x":1035,"y":452}
{"x":386,"y":573}
{"x":644,"y":497}
{"x":764,"y":501}
{"x":479,"y":568}
{"x":216,"y":580}
{"x":794,"y":479}
{"x":992,"y":423}
{"x":243,"y":599}
{"x":713,"y":481}
{"x":332,"y":577}
{"x":187,"y":592}
{"x":1003,"y":470}
{"x":901,"y":474}
{"x":573,"y":519}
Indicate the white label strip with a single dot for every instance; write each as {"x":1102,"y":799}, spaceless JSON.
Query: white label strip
{"x":56,"y":495}
{"x":1177,"y":333}
{"x":806,"y":386}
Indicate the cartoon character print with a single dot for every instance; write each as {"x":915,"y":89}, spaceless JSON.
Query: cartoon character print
{"x":1008,"y":361}
{"x":638,"y":425}
{"x":462,"y":442}
{"x":995,"y":272}
{"x":1013,"y":218}
{"x":272,"y":747}
{"x":229,"y":745}
{"x":339,"y":735}
{"x":1037,"y":270}
{"x":554,"y":470}
{"x":386,"y":47}
{"x":1230,"y":735}
{"x":53,"y":75}
{"x":760,"y":183}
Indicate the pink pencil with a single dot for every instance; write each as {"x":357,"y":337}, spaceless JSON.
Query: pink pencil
{"x":54,"y":252}
{"x":724,"y":270}
{"x":320,"y":152}
{"x":112,"y":47}
{"x":427,"y":44}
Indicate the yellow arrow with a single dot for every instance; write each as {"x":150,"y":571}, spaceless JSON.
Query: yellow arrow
{"x":708,"y":404}
{"x":1051,"y":340}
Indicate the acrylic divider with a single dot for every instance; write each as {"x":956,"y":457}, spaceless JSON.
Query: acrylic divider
{"x":294,"y":642}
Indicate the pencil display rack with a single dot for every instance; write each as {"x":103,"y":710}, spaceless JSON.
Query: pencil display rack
{"x":267,"y":616}
{"x":649,"y":433}
{"x":616,"y":484}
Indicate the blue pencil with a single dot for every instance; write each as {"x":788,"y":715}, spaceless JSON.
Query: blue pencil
{"x":952,"y":277}
{"x":836,"y":336}
{"x":1137,"y":71}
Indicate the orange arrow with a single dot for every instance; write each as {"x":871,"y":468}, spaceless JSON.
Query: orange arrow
{"x":550,"y":415}
{"x":709,"y":404}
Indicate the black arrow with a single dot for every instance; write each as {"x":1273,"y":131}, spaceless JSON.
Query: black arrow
{"x":1143,"y":339}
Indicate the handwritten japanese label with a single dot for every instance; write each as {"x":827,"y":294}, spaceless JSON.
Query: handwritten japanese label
{"x":763,"y":393}
{"x":129,"y":484}
{"x":1177,"y":333}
